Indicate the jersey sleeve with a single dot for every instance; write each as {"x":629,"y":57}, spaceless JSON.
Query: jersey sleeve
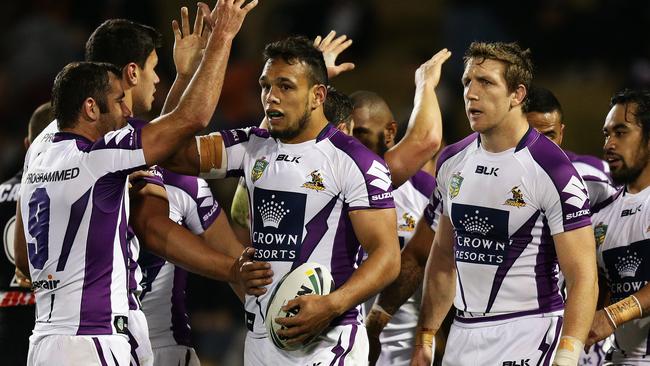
{"x":117,"y":152}
{"x":367,"y":184}
{"x":203,"y":209}
{"x":564,"y":198}
{"x":222,"y":153}
{"x":433,"y":210}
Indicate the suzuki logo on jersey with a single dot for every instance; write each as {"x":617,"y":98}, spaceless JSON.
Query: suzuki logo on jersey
{"x":481,"y":234}
{"x":626,"y":268}
{"x":379,"y":171}
{"x":278,"y":223}
{"x":49,"y":284}
{"x":288,"y":158}
{"x":480,"y":169}
{"x":630,"y":211}
{"x":577,"y":192}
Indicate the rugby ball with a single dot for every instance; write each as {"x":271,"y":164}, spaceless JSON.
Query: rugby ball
{"x":307,"y":279}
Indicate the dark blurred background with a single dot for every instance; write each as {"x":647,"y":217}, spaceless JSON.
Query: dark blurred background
{"x":584,"y":50}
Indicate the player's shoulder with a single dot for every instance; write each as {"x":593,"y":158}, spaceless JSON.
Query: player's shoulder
{"x":351,"y":149}
{"x":588,"y":160}
{"x":548,"y":157}
{"x":186,"y":183}
{"x":456,"y":149}
{"x":602,"y":208}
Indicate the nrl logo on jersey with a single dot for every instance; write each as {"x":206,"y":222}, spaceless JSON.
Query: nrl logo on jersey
{"x":316,"y":182}
{"x":409,"y":223}
{"x":454,"y":185}
{"x":599,"y":232}
{"x":258,"y":168}
{"x":517,"y":199}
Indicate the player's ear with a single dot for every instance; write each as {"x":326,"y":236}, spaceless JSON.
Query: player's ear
{"x":319,"y":93}
{"x":90,"y":110}
{"x":518,"y":96}
{"x":390,"y":131}
{"x":130,"y":74}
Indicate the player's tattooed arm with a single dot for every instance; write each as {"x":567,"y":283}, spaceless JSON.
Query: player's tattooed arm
{"x":424,"y":132}
{"x":187,"y":53}
{"x":239,"y":211}
{"x":413,"y":260}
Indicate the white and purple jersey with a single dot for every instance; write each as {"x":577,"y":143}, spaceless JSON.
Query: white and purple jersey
{"x":622,"y":231}
{"x":595,"y":174}
{"x":300,"y":197}
{"x":74,"y":202}
{"x":505,"y":208}
{"x":191,"y":205}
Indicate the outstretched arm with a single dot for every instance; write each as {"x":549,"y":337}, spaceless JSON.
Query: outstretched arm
{"x":332,"y":48}
{"x":424,"y":131}
{"x":168,"y":133}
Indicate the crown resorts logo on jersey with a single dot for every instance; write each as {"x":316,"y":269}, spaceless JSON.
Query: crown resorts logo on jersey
{"x":517,"y":199}
{"x":599,"y":233}
{"x":454,"y":185}
{"x":258,"y":168}
{"x":278,"y":223}
{"x":315,"y":182}
{"x":408,"y":224}
{"x":626,"y":267}
{"x":481,"y":234}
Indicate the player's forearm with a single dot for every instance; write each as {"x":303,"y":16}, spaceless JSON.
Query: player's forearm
{"x":407,"y":282}
{"x":176,"y":244}
{"x":580,"y":307}
{"x":438,"y":293}
{"x":239,"y":209}
{"x":380,"y":269}
{"x":175,"y":92}
{"x":422,"y":138}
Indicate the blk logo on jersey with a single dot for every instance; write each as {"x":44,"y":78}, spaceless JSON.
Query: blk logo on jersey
{"x":278,"y":224}
{"x":626,"y":268}
{"x":316,"y":181}
{"x":517,"y":199}
{"x":481,"y":169}
{"x":288,"y":158}
{"x":481,"y":234}
{"x":630,"y":211}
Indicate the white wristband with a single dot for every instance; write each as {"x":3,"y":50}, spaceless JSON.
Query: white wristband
{"x":568,"y":352}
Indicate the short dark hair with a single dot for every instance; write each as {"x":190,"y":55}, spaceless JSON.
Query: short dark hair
{"x":41,"y":117}
{"x":121,"y":41}
{"x":519,"y":64}
{"x":542,"y":100}
{"x":337,"y":107}
{"x":76,"y":82}
{"x":640,"y":97}
{"x":299,"y":49}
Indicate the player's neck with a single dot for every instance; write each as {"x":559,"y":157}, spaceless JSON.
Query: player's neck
{"x":505,"y":135}
{"x":84,"y":130}
{"x":313,"y":127}
{"x":640,"y":183}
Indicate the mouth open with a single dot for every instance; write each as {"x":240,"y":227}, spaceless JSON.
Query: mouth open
{"x":274,"y":115}
{"x":474,"y":112}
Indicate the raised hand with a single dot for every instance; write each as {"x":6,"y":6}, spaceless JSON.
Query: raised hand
{"x":189,"y":45}
{"x":428,"y":74}
{"x":332,"y":48}
{"x":227,"y":16}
